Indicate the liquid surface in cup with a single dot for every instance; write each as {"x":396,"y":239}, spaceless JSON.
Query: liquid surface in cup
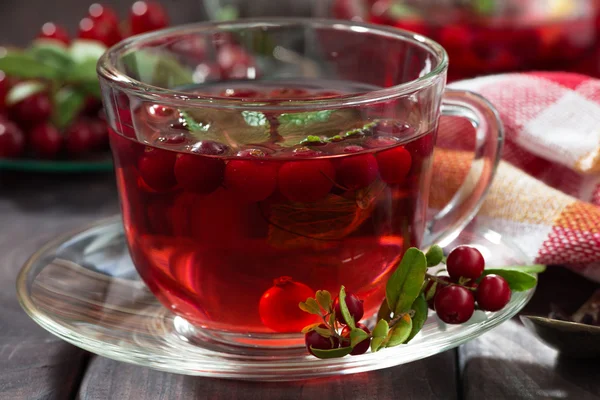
{"x":232,"y":219}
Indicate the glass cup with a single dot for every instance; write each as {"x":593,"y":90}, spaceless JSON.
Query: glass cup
{"x":260,"y":160}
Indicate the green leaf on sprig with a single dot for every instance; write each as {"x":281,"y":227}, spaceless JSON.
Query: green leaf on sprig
{"x":434,"y":255}
{"x":400,"y":332}
{"x":23,"y":90}
{"x":82,"y":50}
{"x":84,"y":71}
{"x":19,"y":64}
{"x":384,"y":312}
{"x":356,"y":336}
{"x":517,"y":280}
{"x":333,"y":353}
{"x":310,"y":306}
{"x":192,"y":125}
{"x":324,"y":299}
{"x":310,"y":327}
{"x":484,"y":7}
{"x":431,"y":291}
{"x":255,"y":118}
{"x":529,"y":269}
{"x":405,"y":284}
{"x":51,"y":52}
{"x":326,"y":333}
{"x":344,"y":309}
{"x":68,"y":102}
{"x":420,"y":316}
{"x":379,"y":334}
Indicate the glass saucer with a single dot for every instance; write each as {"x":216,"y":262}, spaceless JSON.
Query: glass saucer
{"x":83,"y":288}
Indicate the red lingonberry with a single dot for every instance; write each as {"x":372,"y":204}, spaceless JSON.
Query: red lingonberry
{"x":158,"y":112}
{"x":32,"y":109}
{"x":493,"y":293}
{"x":362,"y":346}
{"x":357,"y":172}
{"x":156,"y":168}
{"x":355,"y":307}
{"x":12,"y":140}
{"x":454,"y":304}
{"x":4,"y":88}
{"x":104,"y":15}
{"x":252,"y":153}
{"x":198,"y":173}
{"x":210,"y":148}
{"x":316,"y":341}
{"x":465,"y":261}
{"x":234,"y":62}
{"x":304,"y":151}
{"x":278,"y":306}
{"x":287,"y":93}
{"x":172,"y":138}
{"x":445,"y":279}
{"x":306,"y":181}
{"x":394,"y":128}
{"x":242,"y":93}
{"x":52,"y":31}
{"x":45,"y":141}
{"x":146,"y":16}
{"x":79,"y":139}
{"x":251,"y":180}
{"x":353,"y":148}
{"x":394,"y":164}
{"x":91,"y":107}
{"x":100,"y":133}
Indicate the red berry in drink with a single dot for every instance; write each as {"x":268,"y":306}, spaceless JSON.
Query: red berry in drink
{"x":287,"y":93}
{"x":146,"y":16}
{"x":355,"y":307}
{"x":32,"y":109}
{"x":454,"y":304}
{"x":45,"y":141}
{"x":156,"y":168}
{"x":251,"y":180}
{"x":357,"y":172}
{"x":493,"y":293}
{"x":252,"y":153}
{"x":158,"y":112}
{"x":241,"y":93}
{"x":200,"y":174}
{"x":361,"y":347}
{"x":395,"y":129}
{"x":465,"y":261}
{"x":445,"y":280}
{"x":12,"y":140}
{"x":315,"y":340}
{"x":394,"y":164}
{"x":52,"y":31}
{"x":79,"y":139}
{"x":278,"y":306}
{"x":305,"y":151}
{"x":306,"y":181}
{"x":209,"y":148}
{"x":353,"y":148}
{"x":326,"y":94}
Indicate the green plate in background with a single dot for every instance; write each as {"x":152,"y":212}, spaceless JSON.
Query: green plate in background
{"x":99,"y":164}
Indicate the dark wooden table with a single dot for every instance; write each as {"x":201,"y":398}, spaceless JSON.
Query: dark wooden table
{"x":506,"y":363}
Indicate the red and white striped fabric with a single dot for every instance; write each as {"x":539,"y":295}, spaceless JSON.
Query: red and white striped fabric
{"x":546,"y":194}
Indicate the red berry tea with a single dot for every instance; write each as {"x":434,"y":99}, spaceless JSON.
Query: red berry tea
{"x":232,"y":219}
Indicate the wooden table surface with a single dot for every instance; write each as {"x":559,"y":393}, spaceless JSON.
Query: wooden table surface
{"x":506,"y":363}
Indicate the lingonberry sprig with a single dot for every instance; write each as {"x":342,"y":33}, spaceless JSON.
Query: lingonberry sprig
{"x":410,"y":290}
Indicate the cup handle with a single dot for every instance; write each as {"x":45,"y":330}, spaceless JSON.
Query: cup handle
{"x":449,"y":221}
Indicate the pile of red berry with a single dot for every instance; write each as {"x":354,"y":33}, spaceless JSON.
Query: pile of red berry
{"x":44,"y":112}
{"x":453,"y":298}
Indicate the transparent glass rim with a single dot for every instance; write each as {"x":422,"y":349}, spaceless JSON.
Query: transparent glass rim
{"x":116,"y":78}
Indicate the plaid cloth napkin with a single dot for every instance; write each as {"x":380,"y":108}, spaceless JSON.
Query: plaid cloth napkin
{"x":546,"y":194}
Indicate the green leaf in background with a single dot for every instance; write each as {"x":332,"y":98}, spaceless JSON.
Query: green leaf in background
{"x":226,"y":13}
{"x":68,"y":102}
{"x":305,"y":118}
{"x":324,"y":299}
{"x":420,"y":316}
{"x":357,"y":335}
{"x":344,"y":309}
{"x":404,"y":285}
{"x":22,"y":90}
{"x":333,"y":353}
{"x":434,"y":255}
{"x":518,"y":281}
{"x":400,"y":332}
{"x":158,"y":68}
{"x":52,"y":53}
{"x":19,"y":64}
{"x":484,"y":7}
{"x":82,"y":50}
{"x":255,"y":118}
{"x":193,"y":125}
{"x":84,"y":71}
